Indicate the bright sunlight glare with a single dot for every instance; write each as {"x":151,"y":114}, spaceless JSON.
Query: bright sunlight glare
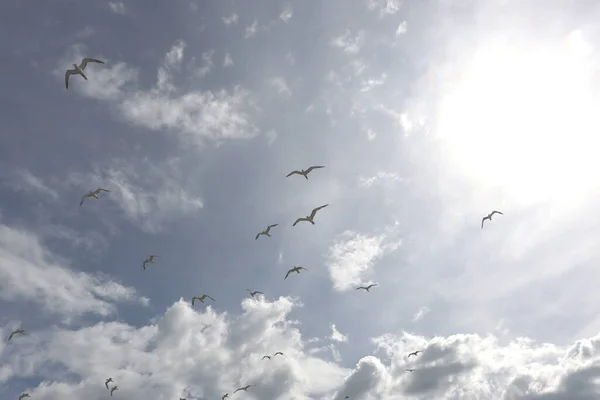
{"x":524,"y":118}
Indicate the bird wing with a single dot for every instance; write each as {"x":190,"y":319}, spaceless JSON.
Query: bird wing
{"x":106,"y":384}
{"x":11,"y":335}
{"x":258,"y":234}
{"x":67,"y":75}
{"x":314,"y":167}
{"x":496,"y":212}
{"x":361,"y":287}
{"x":294,"y":172}
{"x":209,"y":297}
{"x":87,"y":60}
{"x":266,"y":357}
{"x":258,"y":292}
{"x":300,"y":220}
{"x":483,"y":219}
{"x":302,"y":268}
{"x":103,"y":190}
{"x":289,"y":272}
{"x":83,"y":199}
{"x":271,"y":226}
{"x":371,"y":285}
{"x":314,"y":212}
{"x":237,"y":390}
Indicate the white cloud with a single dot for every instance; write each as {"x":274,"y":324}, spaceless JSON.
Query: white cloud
{"x":227,"y":60}
{"x":369,"y":84}
{"x":280,"y":85}
{"x":27,"y":182}
{"x":231,"y":20}
{"x":419,"y":315}
{"x":371,"y":134}
{"x":251,"y":30}
{"x":402,"y":29}
{"x":31,"y":272}
{"x":271,"y":137}
{"x":384,"y":7}
{"x":207,"y":64}
{"x":286,"y":14}
{"x":352,"y":256}
{"x":149,"y":195}
{"x":196,"y":115}
{"x":336,"y":336}
{"x":348,"y":43}
{"x":206,"y":352}
{"x":117,"y":7}
{"x":388,"y":178}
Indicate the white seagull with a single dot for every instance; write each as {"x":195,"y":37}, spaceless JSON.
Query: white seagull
{"x":149,"y":260}
{"x":16,"y":332}
{"x":201,"y":298}
{"x":245,"y":388}
{"x":295,"y":269}
{"x":254,"y":293}
{"x":489,"y":216}
{"x":266,"y":231}
{"x":107,"y":382}
{"x":93,"y":193}
{"x":280,"y":353}
{"x":366,"y":287}
{"x":311,"y":216}
{"x":78,"y":69}
{"x":305,"y":172}
{"x":113,"y":389}
{"x":21,"y":397}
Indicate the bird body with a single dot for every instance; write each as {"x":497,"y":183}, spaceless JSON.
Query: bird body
{"x":201,"y":298}
{"x":366,"y":287}
{"x":148,"y":260}
{"x":266,"y":231}
{"x":78,"y":69}
{"x":22,"y":396}
{"x":113,"y":389}
{"x":92,"y":193}
{"x":16,"y":332}
{"x":269,"y":357}
{"x":245,"y":388}
{"x":254,"y":293}
{"x":489,"y":217}
{"x":415,"y":353}
{"x":409,"y":370}
{"x":305,"y":172}
{"x":225,"y":396}
{"x":295,"y":269}
{"x":280,"y":353}
{"x":107,"y":382}
{"x":310,"y":218}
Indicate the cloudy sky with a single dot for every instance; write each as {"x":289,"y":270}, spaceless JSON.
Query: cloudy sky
{"x":427,"y":114}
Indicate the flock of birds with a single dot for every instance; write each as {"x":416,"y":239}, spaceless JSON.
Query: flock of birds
{"x":79,"y":70}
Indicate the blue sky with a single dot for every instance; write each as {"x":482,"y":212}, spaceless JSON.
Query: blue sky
{"x":427,"y":115}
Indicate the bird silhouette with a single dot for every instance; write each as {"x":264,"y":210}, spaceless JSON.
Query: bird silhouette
{"x":295,"y":269}
{"x":310,"y":217}
{"x":269,"y":357}
{"x":280,"y":353}
{"x":305,"y":172}
{"x":92,"y":193}
{"x":254,"y":293}
{"x":22,"y":396}
{"x":16,"y":332}
{"x":113,"y":389}
{"x":78,"y":69}
{"x":266,"y":231}
{"x":414,"y":353}
{"x":366,"y":287}
{"x":489,"y":217}
{"x":107,"y":382}
{"x":201,"y":298}
{"x":149,"y":260}
{"x":245,"y":388}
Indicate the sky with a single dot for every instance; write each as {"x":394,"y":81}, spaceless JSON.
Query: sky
{"x":427,"y":115}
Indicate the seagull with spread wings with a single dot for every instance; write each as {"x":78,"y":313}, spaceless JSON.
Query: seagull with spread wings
{"x":269,"y":357}
{"x":201,"y":298}
{"x":109,"y":380}
{"x":93,"y":193}
{"x":113,"y":389}
{"x":311,"y":216}
{"x":245,"y":388}
{"x":149,"y":260}
{"x":295,"y":269}
{"x":22,"y":396}
{"x":78,"y":69}
{"x":226,"y":395}
{"x":16,"y":332}
{"x":254,"y":293}
{"x":366,"y":287}
{"x":280,"y":353}
{"x":489,"y":217}
{"x":266,"y":231}
{"x":305,"y":172}
{"x":415,"y":353}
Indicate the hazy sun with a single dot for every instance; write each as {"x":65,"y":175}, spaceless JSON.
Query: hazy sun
{"x":525,"y":119}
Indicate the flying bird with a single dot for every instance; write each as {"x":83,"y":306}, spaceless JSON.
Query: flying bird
{"x":254,"y":293}
{"x":16,"y":332}
{"x":21,"y":397}
{"x":414,"y":353}
{"x":489,"y":216}
{"x":201,"y":298}
{"x":245,"y":388}
{"x":278,"y":353}
{"x":269,"y":357}
{"x":266,"y":231}
{"x":295,"y":269}
{"x":107,"y":382}
{"x":409,"y":370}
{"x":366,"y":287}
{"x":93,"y":193}
{"x":225,"y":396}
{"x":311,"y":216}
{"x":149,"y":260}
{"x":113,"y":389}
{"x":305,"y":172}
{"x":78,"y":69}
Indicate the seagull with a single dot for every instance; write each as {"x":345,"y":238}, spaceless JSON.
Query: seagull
{"x":305,"y":172}
{"x":266,"y":231}
{"x":311,"y":216}
{"x":107,"y":382}
{"x":414,"y":353}
{"x":21,"y":397}
{"x":278,"y":353}
{"x":225,"y":396}
{"x":409,"y":370}
{"x":245,"y":388}
{"x":269,"y":357}
{"x":366,"y":287}
{"x":78,"y":69}
{"x":489,"y":216}
{"x":201,"y":298}
{"x":254,"y":293}
{"x":148,"y":260}
{"x":113,"y":389}
{"x":295,"y":269}
{"x":16,"y":332}
{"x":93,"y":193}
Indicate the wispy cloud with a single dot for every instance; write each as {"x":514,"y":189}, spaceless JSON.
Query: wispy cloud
{"x":387,"y":178}
{"x":384,"y":7}
{"x":231,"y":20}
{"x":227,"y":60}
{"x":280,"y":85}
{"x":117,"y":7}
{"x":420,"y":314}
{"x":25,"y":181}
{"x":251,"y":29}
{"x":349,"y":44}
{"x":402,"y":29}
{"x":371,"y":83}
{"x":352,"y":256}
{"x":286,"y":14}
{"x":207,"y":63}
{"x":337,"y":336}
